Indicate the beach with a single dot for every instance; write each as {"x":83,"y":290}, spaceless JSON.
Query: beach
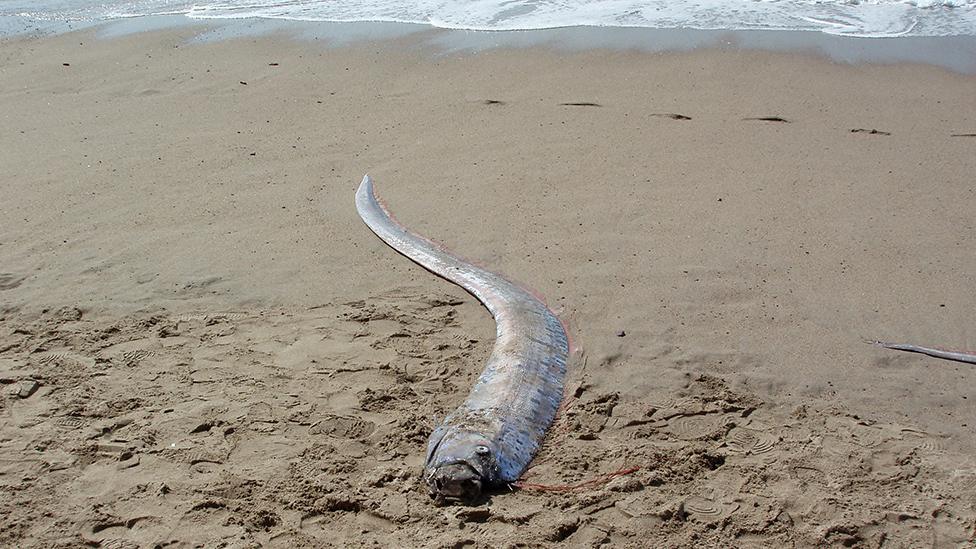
{"x":201,"y":344}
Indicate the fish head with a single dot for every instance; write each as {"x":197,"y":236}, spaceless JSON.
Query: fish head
{"x":460,"y":465}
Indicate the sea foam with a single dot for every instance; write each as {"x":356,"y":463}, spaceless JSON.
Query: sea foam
{"x":867,"y":18}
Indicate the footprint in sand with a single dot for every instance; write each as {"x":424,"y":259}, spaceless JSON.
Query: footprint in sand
{"x":207,"y":317}
{"x":57,"y":357}
{"x":964,"y":479}
{"x":131,"y":352}
{"x":206,"y":455}
{"x":663,"y":403}
{"x":845,"y":430}
{"x":132,"y":358}
{"x":750,"y":442}
{"x":260,"y":411}
{"x":208,"y":512}
{"x":118,"y":544}
{"x":205,"y":460}
{"x":628,"y":414}
{"x":70,"y":422}
{"x":695,"y":427}
{"x":312,"y":520}
{"x":926,"y":442}
{"x":707,"y":510}
{"x":343,"y":427}
{"x":808,"y":474}
{"x":666,"y":406}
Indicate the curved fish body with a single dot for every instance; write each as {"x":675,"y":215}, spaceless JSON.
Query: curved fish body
{"x":931,"y":351}
{"x":491,"y":438}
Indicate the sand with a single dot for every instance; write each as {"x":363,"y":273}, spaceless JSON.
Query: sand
{"x":202,"y":345}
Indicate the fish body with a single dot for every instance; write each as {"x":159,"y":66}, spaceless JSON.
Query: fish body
{"x":491,"y":438}
{"x":931,"y":351}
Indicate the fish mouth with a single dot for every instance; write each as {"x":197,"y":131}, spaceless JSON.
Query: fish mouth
{"x":457,"y":481}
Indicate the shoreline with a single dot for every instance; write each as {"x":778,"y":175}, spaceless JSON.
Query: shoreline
{"x":956,"y":53}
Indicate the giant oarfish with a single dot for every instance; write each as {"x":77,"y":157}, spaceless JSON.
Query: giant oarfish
{"x":491,"y":438}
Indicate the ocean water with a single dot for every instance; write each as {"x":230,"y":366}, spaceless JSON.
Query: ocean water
{"x":863,"y":18}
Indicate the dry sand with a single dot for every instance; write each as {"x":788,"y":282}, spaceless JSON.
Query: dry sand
{"x":202,"y":345}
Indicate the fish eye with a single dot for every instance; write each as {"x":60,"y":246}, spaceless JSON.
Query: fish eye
{"x":482,"y":450}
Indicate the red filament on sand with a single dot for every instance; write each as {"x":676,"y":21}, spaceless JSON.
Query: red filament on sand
{"x":593,"y":482}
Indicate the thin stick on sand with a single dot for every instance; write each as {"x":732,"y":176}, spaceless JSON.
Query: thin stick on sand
{"x":958,"y":356}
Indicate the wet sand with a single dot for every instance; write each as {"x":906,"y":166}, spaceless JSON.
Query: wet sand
{"x":201,"y":343}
